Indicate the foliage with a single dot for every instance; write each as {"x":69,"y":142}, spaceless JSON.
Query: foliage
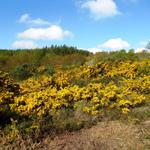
{"x":50,"y":70}
{"x":121,"y":55}
{"x":26,"y":71}
{"x":10,"y":59}
{"x":8,"y":90}
{"x":22,"y":72}
{"x":43,"y":102}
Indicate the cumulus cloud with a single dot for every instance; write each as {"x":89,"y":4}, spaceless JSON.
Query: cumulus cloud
{"x":115,"y":44}
{"x":110,"y":45}
{"x":25,"y":18}
{"x":138,"y":50}
{"x":101,"y":8}
{"x":94,"y":50}
{"x":24,"y":45}
{"x":53,"y":32}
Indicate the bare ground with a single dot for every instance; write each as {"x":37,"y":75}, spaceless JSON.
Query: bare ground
{"x":111,"y":135}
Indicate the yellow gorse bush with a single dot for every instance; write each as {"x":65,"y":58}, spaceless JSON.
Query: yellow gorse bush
{"x":8,"y":90}
{"x":47,"y":94}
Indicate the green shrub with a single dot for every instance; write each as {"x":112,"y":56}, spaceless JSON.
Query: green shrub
{"x":22,"y":72}
{"x":50,"y":70}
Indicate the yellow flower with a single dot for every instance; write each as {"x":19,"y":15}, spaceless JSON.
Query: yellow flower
{"x":125,"y":110}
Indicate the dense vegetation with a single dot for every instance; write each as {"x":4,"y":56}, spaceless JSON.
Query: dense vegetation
{"x":53,"y":56}
{"x":39,"y":97}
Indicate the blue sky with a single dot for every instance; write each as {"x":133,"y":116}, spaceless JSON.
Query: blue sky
{"x":90,"y":24}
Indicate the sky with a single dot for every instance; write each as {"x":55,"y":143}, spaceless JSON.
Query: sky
{"x":94,"y":25}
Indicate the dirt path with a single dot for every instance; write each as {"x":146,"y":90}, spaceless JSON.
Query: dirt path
{"x":112,"y":135}
{"x":104,"y":136}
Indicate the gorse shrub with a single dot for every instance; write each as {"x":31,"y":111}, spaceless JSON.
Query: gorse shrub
{"x":50,"y":70}
{"x":8,"y":91}
{"x":22,"y":72}
{"x":52,"y":100}
{"x":47,"y":94}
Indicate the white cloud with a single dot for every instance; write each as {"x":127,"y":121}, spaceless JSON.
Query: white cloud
{"x":115,"y":44}
{"x":110,"y":45}
{"x":101,"y":8}
{"x":54,"y":32}
{"x":94,"y":50}
{"x":24,"y":45}
{"x":139,"y":50}
{"x":25,"y":18}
